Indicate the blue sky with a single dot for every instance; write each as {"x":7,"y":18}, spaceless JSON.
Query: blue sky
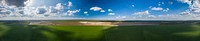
{"x":124,"y":7}
{"x":103,"y":9}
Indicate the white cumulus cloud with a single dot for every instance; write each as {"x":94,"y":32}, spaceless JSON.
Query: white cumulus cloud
{"x":156,"y":8}
{"x":185,"y":1}
{"x":165,"y":10}
{"x":142,"y":13}
{"x":110,"y":10}
{"x":69,"y":4}
{"x":26,"y":9}
{"x":85,"y":12}
{"x":96,"y":8}
{"x":59,"y":6}
{"x":194,"y":6}
{"x":72,"y":12}
{"x":111,"y":14}
{"x":102,"y":11}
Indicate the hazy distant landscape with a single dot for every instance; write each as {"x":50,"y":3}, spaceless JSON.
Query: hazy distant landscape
{"x":99,"y":31}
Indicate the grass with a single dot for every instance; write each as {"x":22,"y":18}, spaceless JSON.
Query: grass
{"x":154,"y":33}
{"x":25,"y":32}
{"x":3,"y":30}
{"x":81,"y":32}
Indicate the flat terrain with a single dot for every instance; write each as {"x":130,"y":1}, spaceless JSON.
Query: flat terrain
{"x":24,"y":31}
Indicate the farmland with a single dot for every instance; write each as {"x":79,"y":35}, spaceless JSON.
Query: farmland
{"x":111,"y":31}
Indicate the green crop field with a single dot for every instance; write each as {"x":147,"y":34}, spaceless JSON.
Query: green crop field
{"x":25,"y":32}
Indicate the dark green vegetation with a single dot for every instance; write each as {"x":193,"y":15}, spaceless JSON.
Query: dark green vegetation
{"x":154,"y":33}
{"x":165,"y":32}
